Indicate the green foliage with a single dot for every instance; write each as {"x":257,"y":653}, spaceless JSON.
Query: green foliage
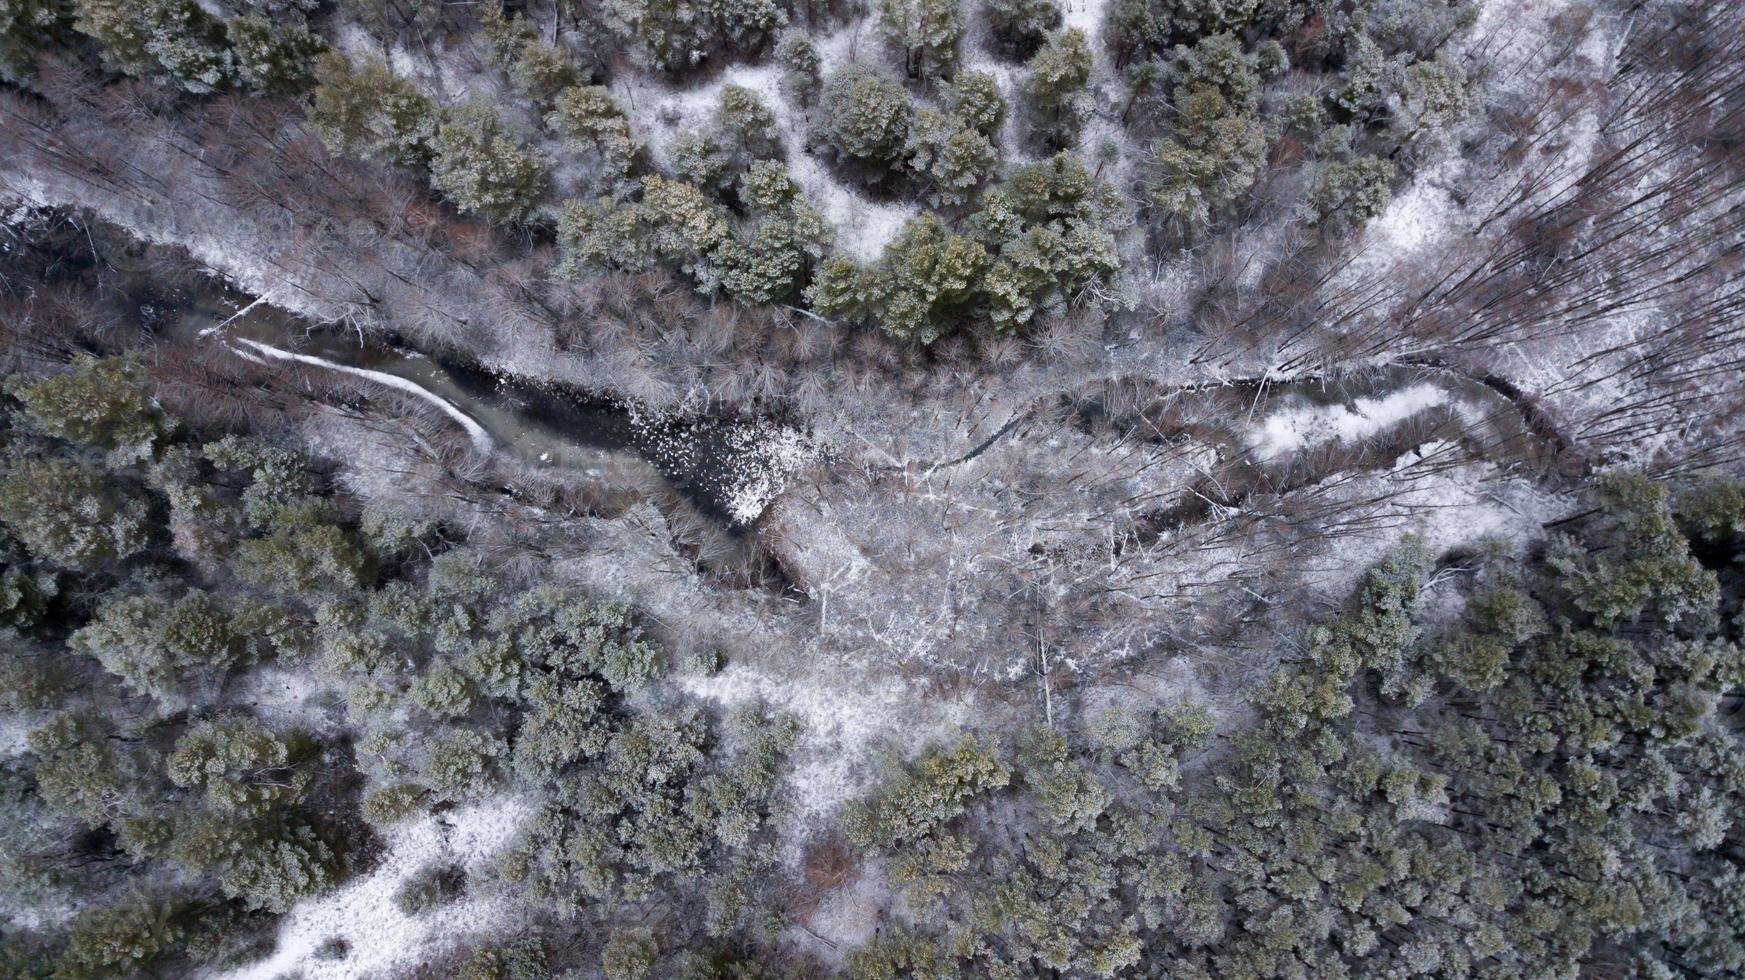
{"x":1139,"y":25}
{"x":1058,"y":73}
{"x":1380,"y":819}
{"x":445,"y":691}
{"x":268,"y":864}
{"x":80,"y":772}
{"x":464,"y":687}
{"x":25,"y":594}
{"x":702,"y":661}
{"x":1150,"y":745}
{"x":461,"y":763}
{"x":653,"y":812}
{"x":98,"y":403}
{"x":536,"y":69}
{"x":924,"y":283}
{"x":392,"y":804}
{"x":27,"y":27}
{"x":902,"y":953}
{"x":1049,"y":228}
{"x":519,"y":959}
{"x":924,"y":797}
{"x":587,"y":117}
{"x":748,"y":124}
{"x":1433,"y":99}
{"x":484,"y":169}
{"x":974,"y":97}
{"x":429,"y":887}
{"x":367,"y":112}
{"x":120,"y":939}
{"x":173,"y":39}
{"x":925,"y":31}
{"x":74,"y":515}
{"x":305,"y":551}
{"x":675,"y":36}
{"x":1714,"y":510}
{"x":274,"y":57}
{"x":565,"y":723}
{"x":1217,"y":147}
{"x":676,"y":223}
{"x":630,"y":955}
{"x":160,"y":647}
{"x":1349,"y":194}
{"x":240,"y":765}
{"x":1071,"y":796}
{"x":698,"y":158}
{"x":1634,"y":560}
{"x":863,"y":117}
{"x":279,"y":478}
{"x":800,"y":67}
{"x":1042,"y":237}
{"x":950,"y":157}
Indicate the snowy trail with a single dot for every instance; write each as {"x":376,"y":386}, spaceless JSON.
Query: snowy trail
{"x":481,"y":439}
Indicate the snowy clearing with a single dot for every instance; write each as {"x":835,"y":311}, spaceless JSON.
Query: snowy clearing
{"x":364,"y":915}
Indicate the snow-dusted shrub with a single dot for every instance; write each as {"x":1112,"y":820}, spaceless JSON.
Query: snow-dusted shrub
{"x":974,"y":96}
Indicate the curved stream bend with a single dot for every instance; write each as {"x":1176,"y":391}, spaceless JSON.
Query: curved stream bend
{"x":481,"y":439}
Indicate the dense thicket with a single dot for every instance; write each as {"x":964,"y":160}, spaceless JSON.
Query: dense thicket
{"x":1225,"y":113}
{"x":1541,"y":781}
{"x":151,"y":575}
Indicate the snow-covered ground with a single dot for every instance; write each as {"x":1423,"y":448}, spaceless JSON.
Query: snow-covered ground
{"x":362,"y":913}
{"x":1447,"y":200}
{"x":658,"y":112}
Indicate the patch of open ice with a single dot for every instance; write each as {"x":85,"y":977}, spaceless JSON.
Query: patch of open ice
{"x":1294,"y":429}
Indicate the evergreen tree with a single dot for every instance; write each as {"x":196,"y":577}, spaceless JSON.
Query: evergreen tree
{"x":367,"y":112}
{"x":483,"y":169}
{"x":864,"y":117}
{"x":925,"y":31}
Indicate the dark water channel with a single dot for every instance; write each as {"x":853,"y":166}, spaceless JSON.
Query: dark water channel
{"x":704,"y":459}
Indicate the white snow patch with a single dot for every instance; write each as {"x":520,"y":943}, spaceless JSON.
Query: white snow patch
{"x":767,"y":458}
{"x":842,"y":46}
{"x":1087,"y":16}
{"x":13,"y":729}
{"x":1294,"y":429}
{"x":363,"y":913}
{"x":1511,"y":36}
{"x":863,"y":228}
{"x":850,"y":916}
{"x":1421,"y":214}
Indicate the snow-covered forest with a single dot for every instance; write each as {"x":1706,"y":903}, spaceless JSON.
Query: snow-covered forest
{"x":917,"y":488}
